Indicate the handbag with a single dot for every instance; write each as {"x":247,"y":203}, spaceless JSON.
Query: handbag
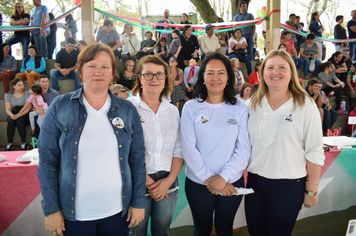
{"x":312,"y":65}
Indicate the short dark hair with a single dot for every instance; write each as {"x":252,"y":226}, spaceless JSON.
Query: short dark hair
{"x":311,"y":82}
{"x":36,"y":88}
{"x":336,"y":54}
{"x":68,"y":17}
{"x":242,"y":3}
{"x":286,"y":32}
{"x":42,"y":76}
{"x":297,"y":17}
{"x":34,"y":47}
{"x":302,"y":24}
{"x":176,"y":31}
{"x":185,"y":15}
{"x":339,"y":17}
{"x":186,"y":27}
{"x":14,"y":82}
{"x":82,"y":42}
{"x":149,"y":32}
{"x":70,"y":40}
{"x":282,"y":44}
{"x":108,"y":22}
{"x":200,"y":90}
{"x":311,"y":36}
{"x":291,"y":15}
{"x":323,"y":66}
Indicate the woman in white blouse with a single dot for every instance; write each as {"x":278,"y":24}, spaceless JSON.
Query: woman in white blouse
{"x":287,"y":154}
{"x":216,"y":147}
{"x":130,"y":44}
{"x":164,"y":160}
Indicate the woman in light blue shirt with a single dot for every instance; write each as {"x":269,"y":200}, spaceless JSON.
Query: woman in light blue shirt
{"x":216,"y":147}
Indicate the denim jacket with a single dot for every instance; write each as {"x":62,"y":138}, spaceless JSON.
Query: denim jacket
{"x":58,"y":151}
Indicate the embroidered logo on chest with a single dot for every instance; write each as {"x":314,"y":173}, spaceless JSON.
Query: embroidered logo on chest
{"x":289,"y":117}
{"x":203,"y":119}
{"x":118,"y":122}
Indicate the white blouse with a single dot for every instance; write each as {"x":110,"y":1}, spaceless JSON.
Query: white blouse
{"x":161,"y":134}
{"x":283,"y":140}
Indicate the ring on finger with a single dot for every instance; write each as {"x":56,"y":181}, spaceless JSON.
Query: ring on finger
{"x":54,"y":232}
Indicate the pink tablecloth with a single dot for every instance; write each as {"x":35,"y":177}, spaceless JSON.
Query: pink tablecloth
{"x":18,"y":188}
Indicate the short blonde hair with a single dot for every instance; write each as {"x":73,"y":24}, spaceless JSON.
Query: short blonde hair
{"x":168,"y":86}
{"x":294,"y":87}
{"x":232,"y":60}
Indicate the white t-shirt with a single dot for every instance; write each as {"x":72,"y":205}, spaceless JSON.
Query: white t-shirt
{"x":283,"y":140}
{"x":215,"y":140}
{"x":98,"y":190}
{"x":161,"y":134}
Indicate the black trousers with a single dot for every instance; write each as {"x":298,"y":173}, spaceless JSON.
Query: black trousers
{"x":21,"y":124}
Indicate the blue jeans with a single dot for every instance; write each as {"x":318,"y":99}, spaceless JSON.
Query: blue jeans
{"x":161,"y":212}
{"x":250,"y":43}
{"x":115,"y":225}
{"x":51,"y":44}
{"x":25,"y":41}
{"x":244,"y":59}
{"x":204,"y":205}
{"x":306,"y":66}
{"x":352,"y":47}
{"x":330,"y":117}
{"x":298,"y":62}
{"x":41,"y":44}
{"x":274,"y":207}
{"x":54,"y":74}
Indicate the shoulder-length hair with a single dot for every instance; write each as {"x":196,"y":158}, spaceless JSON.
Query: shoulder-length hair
{"x":90,"y":52}
{"x":168,"y":86}
{"x":127,"y":63}
{"x":295,"y":89}
{"x":312,"y":17}
{"x":185,"y":28}
{"x":200,"y":90}
{"x":244,"y":86}
{"x":15,"y":13}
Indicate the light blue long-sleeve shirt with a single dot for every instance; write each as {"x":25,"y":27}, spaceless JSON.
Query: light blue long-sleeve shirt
{"x":30,"y":65}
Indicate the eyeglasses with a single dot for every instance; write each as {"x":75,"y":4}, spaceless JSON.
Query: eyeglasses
{"x":128,"y":28}
{"x":19,"y":6}
{"x":149,"y":76}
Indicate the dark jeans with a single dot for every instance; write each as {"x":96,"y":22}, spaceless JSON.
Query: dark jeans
{"x":25,"y":41}
{"x":250,"y":43}
{"x":298,"y":62}
{"x":51,"y":45}
{"x":273,"y":209}
{"x":337,"y":94}
{"x":244,"y":59}
{"x":205,"y":205}
{"x":352,"y":47}
{"x":21,"y":124}
{"x":306,"y":66}
{"x":115,"y":225}
{"x":330,"y":117}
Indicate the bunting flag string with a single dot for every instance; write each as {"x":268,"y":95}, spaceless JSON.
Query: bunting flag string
{"x":37,"y":27}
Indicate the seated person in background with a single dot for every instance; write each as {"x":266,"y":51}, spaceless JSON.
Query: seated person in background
{"x":65,"y":66}
{"x":81,"y":44}
{"x":161,"y":49}
{"x":127,"y":76}
{"x":32,"y":66}
{"x":147,"y":45}
{"x":346,"y":58}
{"x":130,"y":44}
{"x":67,"y":34}
{"x":8,"y":66}
{"x":48,"y":93}
{"x":120,"y":91}
{"x":254,"y":77}
{"x":332,"y":86}
{"x":291,"y":49}
{"x":239,"y":77}
{"x":178,"y":97}
{"x":352,"y":114}
{"x":340,"y":65}
{"x":237,"y":49}
{"x":167,"y":35}
{"x":191,"y":76}
{"x":209,"y":42}
{"x":245,"y":93}
{"x":38,"y":101}
{"x":351,"y":83}
{"x":308,"y":51}
{"x":176,"y":46}
{"x":109,"y":36}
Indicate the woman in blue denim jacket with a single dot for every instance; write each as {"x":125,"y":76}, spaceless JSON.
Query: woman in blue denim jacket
{"x":92,"y":155}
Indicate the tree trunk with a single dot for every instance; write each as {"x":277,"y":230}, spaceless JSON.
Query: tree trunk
{"x":205,"y":10}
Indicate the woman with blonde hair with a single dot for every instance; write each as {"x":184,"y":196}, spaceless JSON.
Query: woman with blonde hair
{"x":287,"y":155}
{"x":163,"y":152}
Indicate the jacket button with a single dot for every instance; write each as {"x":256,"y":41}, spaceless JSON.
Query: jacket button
{"x":75,"y":143}
{"x":120,"y":146}
{"x":72,"y":212}
{"x":72,"y":198}
{"x":110,"y":119}
{"x":122,"y":171}
{"x":123,"y":196}
{"x":85,"y":115}
{"x":73,"y":185}
{"x":80,"y":129}
{"x":75,"y":157}
{"x":73,"y":171}
{"x":65,"y":129}
{"x":120,"y":158}
{"x":117,"y":132}
{"x":123,"y":183}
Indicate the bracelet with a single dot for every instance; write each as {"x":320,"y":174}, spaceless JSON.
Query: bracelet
{"x":312,"y":182}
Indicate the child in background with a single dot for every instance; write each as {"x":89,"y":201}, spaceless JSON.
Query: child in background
{"x":37,"y":101}
{"x":176,"y":45}
{"x":161,"y":49}
{"x":239,"y":77}
{"x":190,"y":76}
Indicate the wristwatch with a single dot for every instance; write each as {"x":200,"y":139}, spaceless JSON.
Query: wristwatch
{"x":311,"y":193}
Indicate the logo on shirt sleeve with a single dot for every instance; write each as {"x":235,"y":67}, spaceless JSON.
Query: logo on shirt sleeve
{"x":118,"y":122}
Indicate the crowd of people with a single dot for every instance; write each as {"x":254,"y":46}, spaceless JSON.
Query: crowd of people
{"x":146,"y":121}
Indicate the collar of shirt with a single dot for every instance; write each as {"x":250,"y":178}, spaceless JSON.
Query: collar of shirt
{"x":164,"y":103}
